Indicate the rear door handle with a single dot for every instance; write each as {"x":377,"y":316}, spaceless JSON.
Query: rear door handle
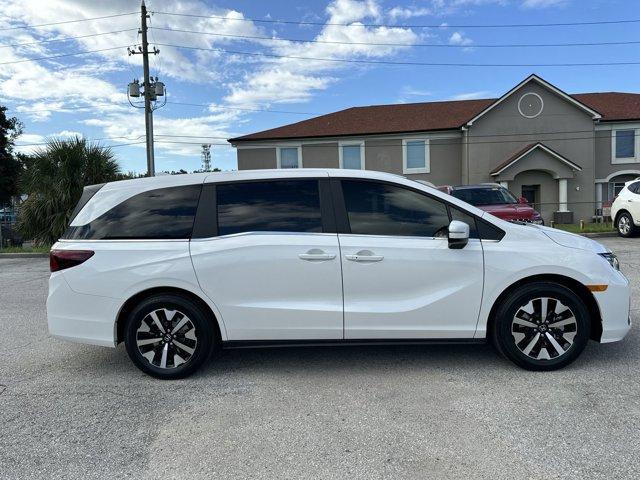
{"x":364,"y":256}
{"x":317,"y":255}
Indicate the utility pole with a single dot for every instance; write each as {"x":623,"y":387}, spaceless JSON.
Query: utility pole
{"x":152,"y":88}
{"x":148,"y":113}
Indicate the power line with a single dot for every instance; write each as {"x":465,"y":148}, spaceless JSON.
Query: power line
{"x":405,"y":63}
{"x":88,"y":139}
{"x":332,"y":143}
{"x":66,"y":39}
{"x":66,"y":22}
{"x":436,"y":45}
{"x":85,"y":52}
{"x":323,"y":24}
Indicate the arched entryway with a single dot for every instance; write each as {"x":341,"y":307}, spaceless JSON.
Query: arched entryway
{"x":537,"y":172}
{"x":538,"y":187}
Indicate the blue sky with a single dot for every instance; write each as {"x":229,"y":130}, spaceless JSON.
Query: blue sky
{"x":84,"y":94}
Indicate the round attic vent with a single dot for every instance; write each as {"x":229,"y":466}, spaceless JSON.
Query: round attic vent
{"x":530,"y":105}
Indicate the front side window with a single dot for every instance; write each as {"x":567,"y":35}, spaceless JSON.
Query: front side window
{"x":165,"y":213}
{"x":289,"y":157}
{"x":416,"y":156}
{"x":460,"y":215}
{"x":270,"y":206}
{"x":351,"y":156}
{"x":375,"y":208}
{"x":625,"y":143}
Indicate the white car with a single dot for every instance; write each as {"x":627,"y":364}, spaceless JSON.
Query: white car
{"x":179,"y":266}
{"x":625,"y":209}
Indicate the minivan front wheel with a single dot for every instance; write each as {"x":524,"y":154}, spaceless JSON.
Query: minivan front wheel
{"x":168,"y":336}
{"x":541,"y":326}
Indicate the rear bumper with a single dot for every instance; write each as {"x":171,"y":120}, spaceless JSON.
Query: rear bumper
{"x":79,"y":317}
{"x":614,"y":304}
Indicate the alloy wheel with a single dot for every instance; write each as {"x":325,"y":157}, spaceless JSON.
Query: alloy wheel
{"x":166,"y":338}
{"x":544,"y":328}
{"x":624,"y":225}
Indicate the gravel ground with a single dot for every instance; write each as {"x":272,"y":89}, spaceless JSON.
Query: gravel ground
{"x":74,"y":411}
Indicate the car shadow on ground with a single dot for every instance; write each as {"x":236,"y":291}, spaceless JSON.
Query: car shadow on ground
{"x":456,"y":359}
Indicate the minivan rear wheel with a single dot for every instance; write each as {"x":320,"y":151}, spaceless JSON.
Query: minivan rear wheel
{"x":168,"y":336}
{"x":541,"y":326}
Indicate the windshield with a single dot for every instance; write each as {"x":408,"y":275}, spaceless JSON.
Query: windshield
{"x":485,"y":196}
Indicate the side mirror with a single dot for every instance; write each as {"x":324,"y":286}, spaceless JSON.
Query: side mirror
{"x":458,"y":234}
{"x":523,"y":200}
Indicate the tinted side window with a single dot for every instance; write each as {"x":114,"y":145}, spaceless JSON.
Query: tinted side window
{"x":381,"y":209}
{"x":165,"y":213}
{"x":272,"y":206}
{"x":466,"y":218}
{"x":634,"y":187}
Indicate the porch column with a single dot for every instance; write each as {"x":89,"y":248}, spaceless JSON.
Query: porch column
{"x":562,"y":195}
{"x":504,"y":185}
{"x":599,"y":187}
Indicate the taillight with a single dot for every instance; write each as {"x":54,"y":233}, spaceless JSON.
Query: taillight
{"x":61,"y":259}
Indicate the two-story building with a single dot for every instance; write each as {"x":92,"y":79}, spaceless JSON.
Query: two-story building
{"x":565,"y":153}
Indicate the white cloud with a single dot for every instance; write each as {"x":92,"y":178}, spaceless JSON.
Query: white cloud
{"x":286,"y":80}
{"x":404,"y":13}
{"x":416,"y":92}
{"x":186,"y":134}
{"x":459,"y":38}
{"x":472,"y":95}
{"x":544,"y":3}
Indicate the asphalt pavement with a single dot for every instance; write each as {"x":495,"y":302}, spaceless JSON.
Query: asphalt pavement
{"x":76,"y":411}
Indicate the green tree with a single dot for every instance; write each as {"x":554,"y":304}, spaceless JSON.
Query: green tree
{"x":54,"y":178}
{"x":10,"y":165}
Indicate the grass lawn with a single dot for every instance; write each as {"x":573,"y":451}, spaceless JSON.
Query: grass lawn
{"x":588,"y":227}
{"x":43,"y":249}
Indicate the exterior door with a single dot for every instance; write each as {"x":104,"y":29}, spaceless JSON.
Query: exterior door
{"x":271,"y":270}
{"x":400,"y":278}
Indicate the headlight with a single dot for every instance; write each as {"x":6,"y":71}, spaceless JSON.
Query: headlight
{"x":612,"y":259}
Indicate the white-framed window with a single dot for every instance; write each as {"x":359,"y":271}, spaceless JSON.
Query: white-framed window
{"x":415,"y":155}
{"x":351,"y":155}
{"x":289,"y":157}
{"x":625,"y":143}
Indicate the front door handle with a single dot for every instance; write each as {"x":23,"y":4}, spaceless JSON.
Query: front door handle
{"x":364,"y":256}
{"x":317,"y":255}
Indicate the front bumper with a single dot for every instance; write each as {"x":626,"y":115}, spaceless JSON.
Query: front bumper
{"x":614,"y":304}
{"x":79,"y":317}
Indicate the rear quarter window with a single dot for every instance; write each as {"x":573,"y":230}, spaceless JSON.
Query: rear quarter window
{"x":164,"y":213}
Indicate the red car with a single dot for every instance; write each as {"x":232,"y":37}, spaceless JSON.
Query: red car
{"x":496,"y":200}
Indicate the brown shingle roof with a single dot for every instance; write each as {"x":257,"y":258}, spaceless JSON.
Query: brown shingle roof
{"x":421,"y":117}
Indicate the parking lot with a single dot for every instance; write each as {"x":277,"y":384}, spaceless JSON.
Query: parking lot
{"x":69,"y":410}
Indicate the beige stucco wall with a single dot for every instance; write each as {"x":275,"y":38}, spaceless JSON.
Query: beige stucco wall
{"x":385,"y":155}
{"x":503,"y":131}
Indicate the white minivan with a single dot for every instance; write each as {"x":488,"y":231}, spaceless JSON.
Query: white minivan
{"x":178,"y":267}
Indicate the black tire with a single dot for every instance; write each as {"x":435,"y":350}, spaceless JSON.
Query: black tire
{"x":198,"y":325}
{"x":505,"y":327}
{"x":625,"y":225}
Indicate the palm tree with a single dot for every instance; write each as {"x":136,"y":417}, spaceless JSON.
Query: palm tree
{"x":54,"y":178}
